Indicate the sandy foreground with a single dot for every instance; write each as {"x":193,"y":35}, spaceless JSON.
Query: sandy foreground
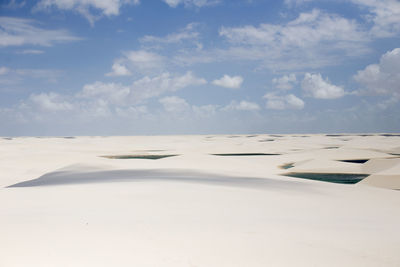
{"x":63,"y":204}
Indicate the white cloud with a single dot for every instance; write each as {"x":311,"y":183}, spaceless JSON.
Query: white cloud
{"x":294,"y":102}
{"x":51,"y":102}
{"x":152,"y":87}
{"x":84,"y":7}
{"x":4,"y":70}
{"x":48,"y":74}
{"x":137,"y":61}
{"x":296,"y":2}
{"x":242,"y":106}
{"x":233,"y":82}
{"x":15,"y":76}
{"x":314,"y":39}
{"x":31,"y":52}
{"x":382,"y":78}
{"x":144,"y":59}
{"x":189,"y":3}
{"x":109,"y":92}
{"x":13,"y":4}
{"x":118,"y":70}
{"x":140,"y":90}
{"x":385,"y":16}
{"x":100,"y":100}
{"x":281,"y":102}
{"x":17,"y":32}
{"x":308,"y":29}
{"x":174,"y":104}
{"x":315,"y":86}
{"x":187,"y":33}
{"x":285,"y":82}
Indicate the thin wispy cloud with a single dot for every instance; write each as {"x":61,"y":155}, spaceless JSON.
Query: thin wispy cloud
{"x":102,"y":8}
{"x":188,"y":33}
{"x":30,"y":52}
{"x":243,"y":105}
{"x":19,"y":31}
{"x":191,"y":3}
{"x":11,"y":76}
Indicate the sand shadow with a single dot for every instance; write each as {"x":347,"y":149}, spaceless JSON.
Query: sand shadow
{"x":60,"y":178}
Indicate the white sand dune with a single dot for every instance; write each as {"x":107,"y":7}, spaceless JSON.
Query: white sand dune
{"x":385,"y":173}
{"x":63,"y":204}
{"x":381,"y":165}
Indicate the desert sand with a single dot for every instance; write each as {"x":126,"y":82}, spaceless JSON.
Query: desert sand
{"x":216,"y":200}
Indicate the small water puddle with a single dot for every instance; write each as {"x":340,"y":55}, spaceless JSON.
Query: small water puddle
{"x":339,"y":178}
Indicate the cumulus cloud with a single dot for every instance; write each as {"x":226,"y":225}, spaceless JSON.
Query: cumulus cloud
{"x":285,"y":82}
{"x":382,"y":78}
{"x":118,"y":69}
{"x":109,"y":92}
{"x":190,"y":3}
{"x":110,"y":100}
{"x":144,"y":59}
{"x":137,"y":61}
{"x":315,"y":86}
{"x":242,"y":106}
{"x":281,"y":102}
{"x":149,"y":87}
{"x":141,"y":89}
{"x":18,"y":32}
{"x":385,"y":14}
{"x":314,"y":39}
{"x":51,"y":102}
{"x":233,"y":82}
{"x":103,"y":8}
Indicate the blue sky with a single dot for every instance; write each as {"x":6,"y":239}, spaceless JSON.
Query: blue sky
{"x":126,"y":67}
